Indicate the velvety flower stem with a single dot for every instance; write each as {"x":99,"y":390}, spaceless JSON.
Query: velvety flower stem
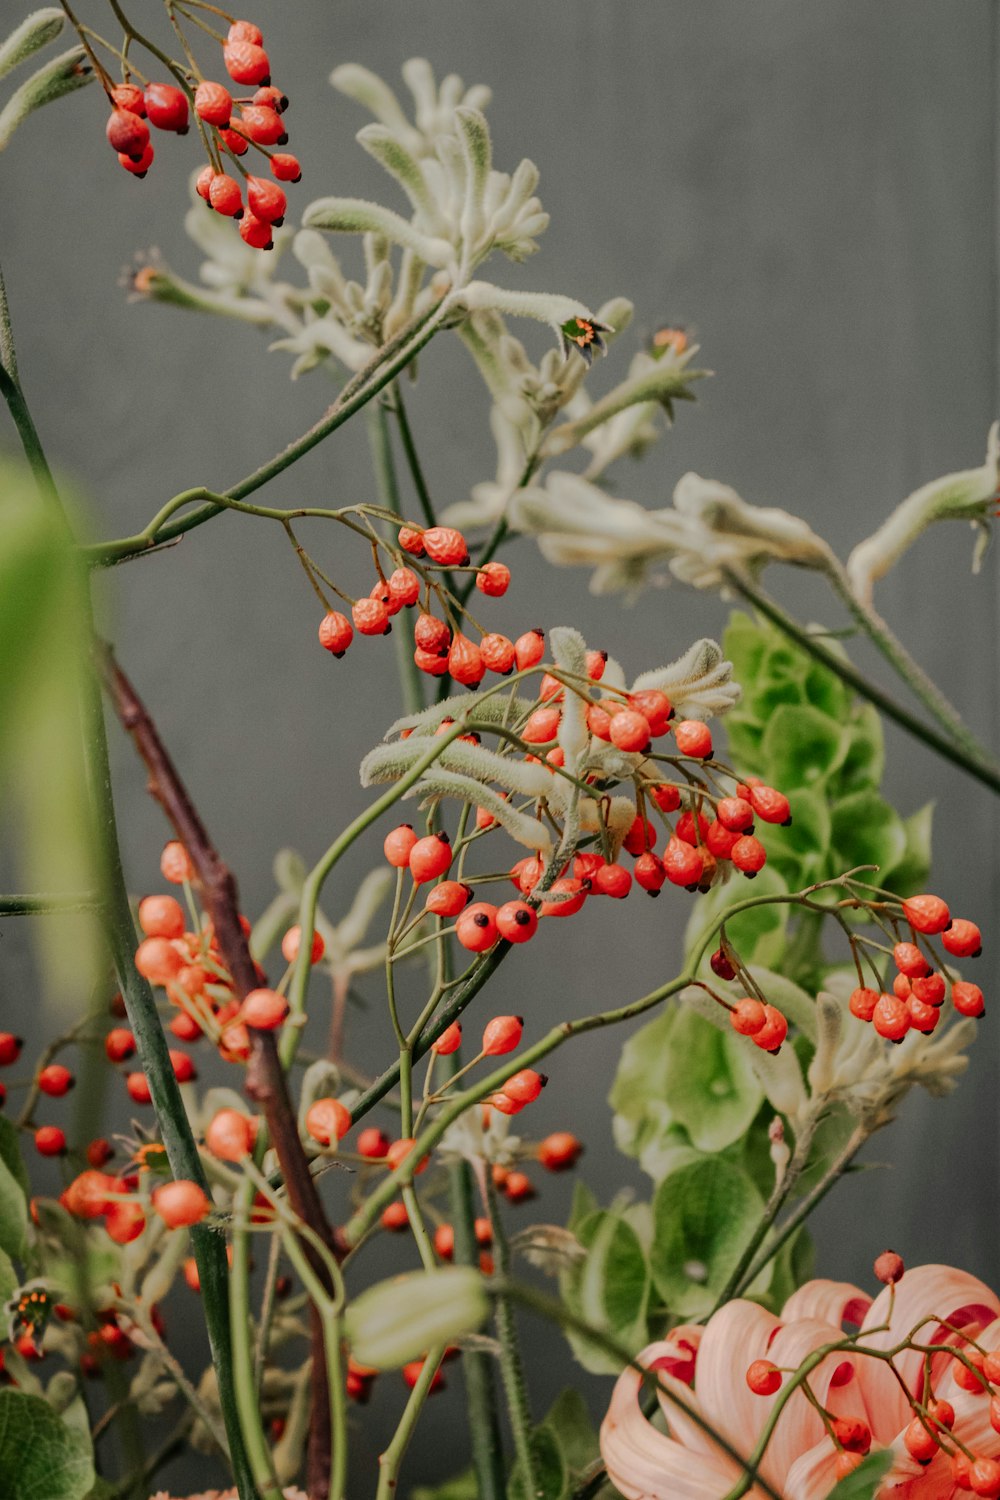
{"x":511,"y":1363}
{"x":477,"y":1367}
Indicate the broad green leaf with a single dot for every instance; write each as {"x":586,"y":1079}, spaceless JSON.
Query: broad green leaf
{"x":865,"y":758}
{"x":802,"y":746}
{"x":744,"y":641}
{"x":864,"y":1483}
{"x":705,"y":1214}
{"x":550,"y":1472}
{"x":583,"y":1205}
{"x":609,"y":1290}
{"x":643,"y":1124}
{"x":910,"y":872}
{"x":41,"y":1458}
{"x":569,"y":1420}
{"x":758,"y":934}
{"x":13,"y":1192}
{"x":710,"y":1087}
{"x":865,"y":830}
{"x":824,"y":690}
{"x":9,"y":1279}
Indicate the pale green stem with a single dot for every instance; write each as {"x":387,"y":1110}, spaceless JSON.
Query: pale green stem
{"x":329,"y":1310}
{"x":392,"y":1458}
{"x":410,"y":678}
{"x":511,"y":1364}
{"x":258,"y":1451}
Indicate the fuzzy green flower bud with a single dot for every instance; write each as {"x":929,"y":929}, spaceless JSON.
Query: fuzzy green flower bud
{"x":397,"y":1321}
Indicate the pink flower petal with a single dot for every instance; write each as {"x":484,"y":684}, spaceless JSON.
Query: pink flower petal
{"x":800,"y":1427}
{"x":735,"y":1336}
{"x":833,"y":1302}
{"x":813,"y":1474}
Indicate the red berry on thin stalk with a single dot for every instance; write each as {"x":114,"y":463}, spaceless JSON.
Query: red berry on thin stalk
{"x":370,"y":617}
{"x":476,"y":928}
{"x":256,"y":232}
{"x":773,"y":1032}
{"x":889,"y":1268}
{"x":529,"y":649}
{"x":763,"y":1377}
{"x":127,"y":133}
{"x":516,"y":921}
{"x":286,"y":167}
{"x":493,"y":579}
{"x":963,"y":939}
{"x":449,"y":1041}
{"x":246,"y":62}
{"x":167,"y":107}
{"x":693,"y":738}
{"x":497,"y":653}
{"x":266,"y":199}
{"x":225,"y":196}
{"x":55,"y":1080}
{"x":927,"y":913}
{"x":430,"y":858}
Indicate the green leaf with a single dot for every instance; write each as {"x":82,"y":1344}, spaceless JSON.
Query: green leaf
{"x":35,"y":31}
{"x":13,"y":1193}
{"x":643,"y":1125}
{"x":9,"y":1279}
{"x":551,"y":1476}
{"x":41,"y":1458}
{"x":865,"y":830}
{"x":704,"y":1214}
{"x":609,"y":1290}
{"x":464,"y":1486}
{"x":865,"y":758}
{"x":583,"y":1205}
{"x":863,"y":1484}
{"x":569,"y":1419}
{"x":802,"y":746}
{"x":64,"y":74}
{"x":709,"y":1085}
{"x":910,"y":872}
{"x":758,"y":933}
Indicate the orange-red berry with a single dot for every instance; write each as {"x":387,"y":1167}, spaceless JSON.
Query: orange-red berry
{"x":167,"y":107}
{"x":927,"y":913}
{"x":516,"y":921}
{"x":449,"y":1041}
{"x":889,"y":1268}
{"x":373,"y":1143}
{"x":891,"y":1018}
{"x":213,"y":103}
{"x":748,"y":855}
{"x":748,"y":1016}
{"x":476,"y":928}
{"x":371,"y":617}
{"x":292,"y":942}
{"x":963,"y":939}
{"x":773,"y":1032}
{"x":175,"y":864}
{"x":230,"y":1135}
{"x":693,"y":738}
{"x":497,"y":653}
{"x":967,"y":998}
{"x":55,"y":1080}
{"x":246,"y":62}
{"x":50,"y":1140}
{"x":501,"y":1035}
{"x":465,"y":661}
{"x":445,"y":545}
{"x":181,"y":1203}
{"x":264,"y":1010}
{"x":525,"y":1086}
{"x":862,"y":1002}
{"x":559,"y":1151}
{"x":398,"y":846}
{"x":493,"y":579}
{"x":529,"y":649}
{"x":430,"y":858}
{"x":763,"y":1377}
{"x":910,"y":961}
{"x":327,"y":1121}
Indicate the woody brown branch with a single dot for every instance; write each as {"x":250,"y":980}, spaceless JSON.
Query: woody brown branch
{"x":265,"y":1080}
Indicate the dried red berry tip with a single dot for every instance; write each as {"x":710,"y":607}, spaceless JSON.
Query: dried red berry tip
{"x":763,"y":1377}
{"x":889,"y":1267}
{"x":286,"y":167}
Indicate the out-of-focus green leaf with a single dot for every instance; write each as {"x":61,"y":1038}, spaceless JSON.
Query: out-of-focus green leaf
{"x":865,"y":758}
{"x":464,"y":1486}
{"x":801,"y":851}
{"x":865,"y":830}
{"x":40,"y":1455}
{"x":704,"y":1215}
{"x":758,"y":933}
{"x":550,"y":1472}
{"x":609,"y":1289}
{"x":864,"y":1483}
{"x":911,"y":870}
{"x":710,"y":1087}
{"x":802,"y":746}
{"x":13,"y":1192}
{"x":43,"y":638}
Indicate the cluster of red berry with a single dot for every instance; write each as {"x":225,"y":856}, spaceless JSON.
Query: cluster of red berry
{"x":929,"y":1432}
{"x":228,"y":126}
{"x":440,"y":647}
{"x":919,"y":989}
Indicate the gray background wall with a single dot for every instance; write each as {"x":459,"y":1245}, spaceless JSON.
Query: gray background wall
{"x":813,"y":186}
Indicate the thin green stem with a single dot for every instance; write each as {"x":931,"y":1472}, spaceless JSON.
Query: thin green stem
{"x":258,"y":1452}
{"x":391,"y":1460}
{"x":377,"y":374}
{"x":417,"y":475}
{"x":946,"y":748}
{"x":511,"y":1363}
{"x":477,"y":1367}
{"x":329,"y":1310}
{"x":882,"y":636}
{"x":410,"y":678}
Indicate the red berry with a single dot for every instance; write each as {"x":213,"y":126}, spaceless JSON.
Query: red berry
{"x":262,"y":124}
{"x":432,"y":635}
{"x":137,"y":166}
{"x":99,"y":1152}
{"x":175,"y":864}
{"x":773,"y":1032}
{"x":445,"y":545}
{"x":256,"y":232}
{"x":87,"y":1196}
{"x":234,"y":141}
{"x":542,"y":726}
{"x":246,"y":62}
{"x":853,"y":1434}
{"x":161,"y":916}
{"x":749,"y":855}
{"x":655,"y":708}
{"x":518,"y":1187}
{"x":124,"y":1222}
{"x":430,"y":858}
{"x":984,"y":1478}
{"x":889,"y":1268}
{"x":230,"y":1135}
{"x":213,"y":103}
{"x":596,"y":663}
{"x":264,"y":1010}
{"x":434,"y":666}
{"x":127,"y":133}
{"x":181,"y":1203}
{"x":693,"y":738}
{"x":448,"y":898}
{"x":524,"y":1087}
{"x":942,"y":1412}
{"x":10,"y":1048}
{"x":411,"y":539}
{"x":183,"y":1066}
{"x":991,"y":1366}
{"x":497,"y":653}
{"x":692,"y":828}
{"x":129,"y":96}
{"x":650,"y":873}
{"x":476,"y":928}
{"x":930,"y":990}
{"x":640,"y":836}
{"x":400,"y":1151}
{"x":735,"y":814}
{"x":611,"y":880}
{"x":571,"y":895}
{"x":682,"y":863}
{"x":119,"y":1044}
{"x":335,"y":633}
{"x":968,"y":1379}
{"x":394,"y":1217}
{"x":763,"y":1377}
{"x":920,"y":1442}
{"x":927,"y":914}
{"x":862,"y":1003}
{"x":967,"y":998}
{"x":370,"y":617}
{"x":630,"y":731}
{"x":444,"y":1241}
{"x":373,"y":1143}
{"x":963,"y":939}
{"x":559,"y":1151}
{"x":167,"y":107}
{"x":465,"y":661}
{"x":720,"y":841}
{"x":770,"y":805}
{"x":910,"y":961}
{"x":286,"y":167}
{"x":493,"y":579}
{"x":55,"y":1080}
{"x":292,"y":942}
{"x":449,"y":1041}
{"x":267,"y":201}
{"x":272,"y":96}
{"x":529,"y":649}
{"x":327,"y":1121}
{"x":666,"y":797}
{"x":516,"y":921}
{"x":225,"y":196}
{"x":501,"y":1035}
{"x":50,"y":1140}
{"x":158,"y":960}
{"x":891,"y":1018}
{"x":748,"y":1016}
{"x":722,"y":965}
{"x":137,"y":1085}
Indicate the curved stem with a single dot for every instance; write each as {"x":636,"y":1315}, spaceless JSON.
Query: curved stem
{"x":367,"y":383}
{"x":946,"y":748}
